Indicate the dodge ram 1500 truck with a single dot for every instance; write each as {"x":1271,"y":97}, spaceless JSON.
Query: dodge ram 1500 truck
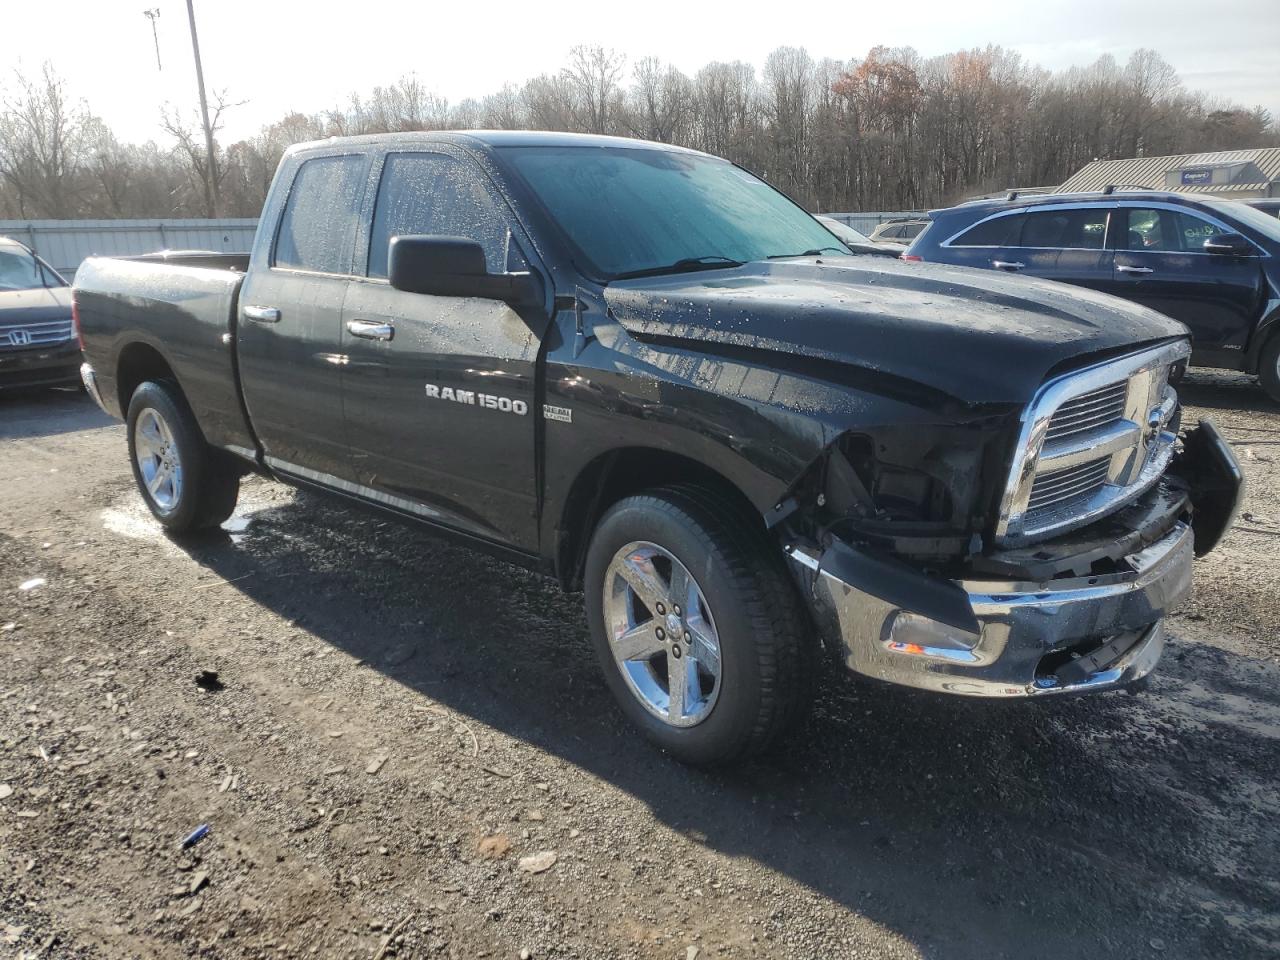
{"x":649,"y":374}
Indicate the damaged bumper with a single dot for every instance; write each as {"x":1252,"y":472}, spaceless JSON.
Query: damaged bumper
{"x":994,"y":637}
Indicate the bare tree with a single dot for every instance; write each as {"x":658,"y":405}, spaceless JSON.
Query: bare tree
{"x":188,"y":136}
{"x":44,"y":140}
{"x":594,"y":75}
{"x":892,"y":130}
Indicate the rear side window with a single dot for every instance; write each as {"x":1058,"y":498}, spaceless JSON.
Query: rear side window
{"x":1079,"y":229}
{"x":317,"y":231}
{"x":436,"y":195}
{"x":996,"y":232}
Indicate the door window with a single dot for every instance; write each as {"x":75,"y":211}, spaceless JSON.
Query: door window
{"x":1075,"y":229}
{"x":317,"y":231}
{"x":996,"y":232}
{"x":436,"y":195}
{"x":1167,"y":230}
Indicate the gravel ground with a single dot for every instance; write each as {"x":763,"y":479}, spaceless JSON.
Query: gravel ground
{"x":412,"y":755}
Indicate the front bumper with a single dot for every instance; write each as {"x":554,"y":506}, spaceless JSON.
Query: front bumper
{"x":992,"y":637}
{"x":54,"y":365}
{"x":1020,"y":640}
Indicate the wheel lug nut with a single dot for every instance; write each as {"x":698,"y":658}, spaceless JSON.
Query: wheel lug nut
{"x":675,"y":651}
{"x":662,"y":634}
{"x":688,"y":637}
{"x":676,"y":610}
{"x":661,"y":609}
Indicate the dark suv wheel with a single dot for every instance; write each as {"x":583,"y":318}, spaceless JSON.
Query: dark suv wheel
{"x":1269,"y":367}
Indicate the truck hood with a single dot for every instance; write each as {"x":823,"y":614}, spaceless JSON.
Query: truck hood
{"x":975,"y":335}
{"x":37,"y":305}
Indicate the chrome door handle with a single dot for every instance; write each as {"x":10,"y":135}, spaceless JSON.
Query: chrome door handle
{"x":1007,"y":265}
{"x":370,"y":330}
{"x":262,"y":314}
{"x":1125,"y":268}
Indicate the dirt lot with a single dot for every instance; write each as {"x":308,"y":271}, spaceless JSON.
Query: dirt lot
{"x":403,"y":723}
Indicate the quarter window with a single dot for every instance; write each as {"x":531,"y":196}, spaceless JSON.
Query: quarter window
{"x":432,"y":194}
{"x":1074,"y":229}
{"x":996,"y":232}
{"x":317,"y":231}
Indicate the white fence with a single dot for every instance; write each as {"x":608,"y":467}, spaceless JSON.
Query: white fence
{"x":63,"y":244}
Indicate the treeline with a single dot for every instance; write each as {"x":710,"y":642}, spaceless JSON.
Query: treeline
{"x":891,"y":131}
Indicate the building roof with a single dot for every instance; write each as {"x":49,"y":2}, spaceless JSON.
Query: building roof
{"x":1228,"y":171}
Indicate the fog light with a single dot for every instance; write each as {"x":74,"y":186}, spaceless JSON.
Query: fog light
{"x":916,"y":635}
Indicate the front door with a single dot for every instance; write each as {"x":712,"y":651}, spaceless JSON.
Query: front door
{"x":1160,"y":262}
{"x":440,"y":391}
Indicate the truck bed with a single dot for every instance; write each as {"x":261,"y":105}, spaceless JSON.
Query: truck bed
{"x":182,"y":304}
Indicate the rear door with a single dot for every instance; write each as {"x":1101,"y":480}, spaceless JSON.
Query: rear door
{"x":440,"y":403}
{"x":990,"y":244}
{"x":1160,"y":262}
{"x":290,"y":321}
{"x":1067,"y":244}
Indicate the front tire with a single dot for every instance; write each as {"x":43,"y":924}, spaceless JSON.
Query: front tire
{"x":1269,"y":368}
{"x":184,"y":482}
{"x":679,"y":586}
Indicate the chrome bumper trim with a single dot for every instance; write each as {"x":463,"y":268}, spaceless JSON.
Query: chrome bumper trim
{"x":90,"y":381}
{"x":1018,"y":625}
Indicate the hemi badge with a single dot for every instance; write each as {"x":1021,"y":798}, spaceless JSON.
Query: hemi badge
{"x":563,"y":414}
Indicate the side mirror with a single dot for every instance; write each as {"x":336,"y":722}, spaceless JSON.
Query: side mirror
{"x":455,"y":267}
{"x":1228,"y":244}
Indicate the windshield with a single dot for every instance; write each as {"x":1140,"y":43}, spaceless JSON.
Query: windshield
{"x":632,"y":211}
{"x":1265,"y":223}
{"x":19,"y":270}
{"x":844,"y":231}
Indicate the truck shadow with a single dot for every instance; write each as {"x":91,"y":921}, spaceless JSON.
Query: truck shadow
{"x":974,"y":830}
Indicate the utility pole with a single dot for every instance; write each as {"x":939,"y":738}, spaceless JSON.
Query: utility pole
{"x":211,"y":171}
{"x":153,"y":15}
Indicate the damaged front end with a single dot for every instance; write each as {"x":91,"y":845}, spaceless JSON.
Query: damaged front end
{"x":918,"y":576}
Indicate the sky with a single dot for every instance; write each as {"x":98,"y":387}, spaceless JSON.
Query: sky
{"x":273,"y":57}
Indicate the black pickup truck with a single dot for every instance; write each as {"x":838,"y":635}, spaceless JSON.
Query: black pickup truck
{"x":647,"y":373}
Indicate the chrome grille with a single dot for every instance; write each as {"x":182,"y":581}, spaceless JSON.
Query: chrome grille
{"x":35,"y":333}
{"x":1052,"y":491}
{"x":1088,"y":411}
{"x":1091,"y":441}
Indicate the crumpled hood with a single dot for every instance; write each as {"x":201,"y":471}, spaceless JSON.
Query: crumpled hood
{"x":37,"y":305}
{"x":977,"y":335}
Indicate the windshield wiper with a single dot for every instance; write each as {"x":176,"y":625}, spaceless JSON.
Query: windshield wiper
{"x":808,"y":253}
{"x":686,"y":265}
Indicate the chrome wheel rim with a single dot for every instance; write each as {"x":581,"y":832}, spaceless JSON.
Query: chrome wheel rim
{"x":662,"y":634}
{"x":158,"y":462}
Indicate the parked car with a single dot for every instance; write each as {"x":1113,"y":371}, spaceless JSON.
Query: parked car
{"x":1270,"y":206}
{"x":901,"y":231}
{"x":1211,"y":264}
{"x":745,"y":445}
{"x":37,"y":345}
{"x":858,"y":242}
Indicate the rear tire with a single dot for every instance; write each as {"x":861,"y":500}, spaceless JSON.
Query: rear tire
{"x":1269,"y":367}
{"x":741,"y":603}
{"x":186,"y":484}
